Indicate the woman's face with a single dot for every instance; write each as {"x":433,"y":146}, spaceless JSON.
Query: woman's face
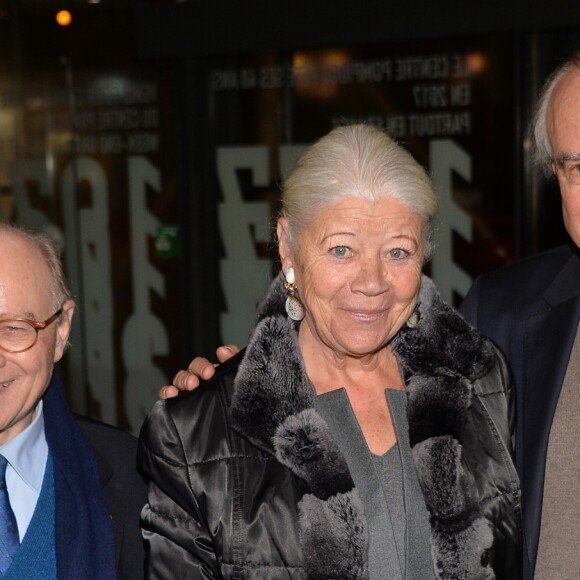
{"x":358,"y":271}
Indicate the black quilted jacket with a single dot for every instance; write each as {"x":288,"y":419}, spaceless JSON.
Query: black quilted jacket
{"x":247,"y":482}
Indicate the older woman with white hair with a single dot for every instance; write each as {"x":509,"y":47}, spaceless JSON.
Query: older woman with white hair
{"x":365,"y":431}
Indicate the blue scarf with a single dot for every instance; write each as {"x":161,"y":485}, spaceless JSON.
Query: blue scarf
{"x":85,"y":546}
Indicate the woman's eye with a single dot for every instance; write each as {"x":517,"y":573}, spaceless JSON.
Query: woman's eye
{"x":398,"y":253}
{"x":341,"y":251}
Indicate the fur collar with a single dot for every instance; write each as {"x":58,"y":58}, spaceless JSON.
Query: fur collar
{"x":273,"y":405}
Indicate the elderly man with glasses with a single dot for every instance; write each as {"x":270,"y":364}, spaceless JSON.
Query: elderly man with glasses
{"x":70,"y":494}
{"x":531,"y":309}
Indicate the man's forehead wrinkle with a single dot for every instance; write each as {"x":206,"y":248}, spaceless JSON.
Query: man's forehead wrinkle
{"x":24,"y":314}
{"x":568,"y":157}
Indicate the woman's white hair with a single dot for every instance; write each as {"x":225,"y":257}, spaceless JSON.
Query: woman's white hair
{"x":543,"y":154}
{"x":356,"y":161}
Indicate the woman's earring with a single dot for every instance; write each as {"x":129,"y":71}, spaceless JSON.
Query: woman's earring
{"x":413,"y":320}
{"x":294,"y":307}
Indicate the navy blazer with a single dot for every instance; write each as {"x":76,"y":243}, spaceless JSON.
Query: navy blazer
{"x":124,"y":490}
{"x":531,"y":310}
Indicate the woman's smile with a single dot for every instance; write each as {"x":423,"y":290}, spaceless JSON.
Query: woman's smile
{"x":365,"y":315}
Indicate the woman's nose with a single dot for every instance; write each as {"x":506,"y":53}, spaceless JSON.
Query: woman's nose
{"x":371,"y":277}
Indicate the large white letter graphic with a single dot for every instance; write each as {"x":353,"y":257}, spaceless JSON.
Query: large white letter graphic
{"x":144,"y":335}
{"x":90,"y":266}
{"x":244,"y":275}
{"x":447,"y":157}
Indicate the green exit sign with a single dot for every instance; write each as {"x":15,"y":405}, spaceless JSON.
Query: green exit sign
{"x":167,"y":242}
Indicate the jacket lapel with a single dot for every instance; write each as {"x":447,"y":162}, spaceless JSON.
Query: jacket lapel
{"x":546,"y":341}
{"x":273,"y":406}
{"x":441,"y":358}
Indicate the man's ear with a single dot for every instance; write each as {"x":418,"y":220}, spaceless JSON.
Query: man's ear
{"x":63,"y":329}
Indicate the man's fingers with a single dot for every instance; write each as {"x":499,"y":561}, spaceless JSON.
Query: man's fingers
{"x":199,"y":368}
{"x":168,"y":391}
{"x":226,"y":352}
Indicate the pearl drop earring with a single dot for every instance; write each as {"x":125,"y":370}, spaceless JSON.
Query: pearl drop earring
{"x":294,"y":308}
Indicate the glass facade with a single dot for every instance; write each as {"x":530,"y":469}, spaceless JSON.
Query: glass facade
{"x":158,"y":168}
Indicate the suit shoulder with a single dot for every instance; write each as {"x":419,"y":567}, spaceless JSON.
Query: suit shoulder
{"x":104,"y":436}
{"x":496,"y":299}
{"x":115,"y":452}
{"x":545,"y":263}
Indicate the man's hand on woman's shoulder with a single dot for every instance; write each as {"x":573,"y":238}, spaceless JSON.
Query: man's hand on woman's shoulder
{"x":199,"y":369}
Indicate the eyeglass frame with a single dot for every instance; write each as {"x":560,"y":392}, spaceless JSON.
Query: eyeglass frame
{"x":560,"y":166}
{"x":33,"y":324}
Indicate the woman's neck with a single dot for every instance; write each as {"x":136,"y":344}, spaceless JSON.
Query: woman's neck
{"x":364,"y":379}
{"x":329,"y":369}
